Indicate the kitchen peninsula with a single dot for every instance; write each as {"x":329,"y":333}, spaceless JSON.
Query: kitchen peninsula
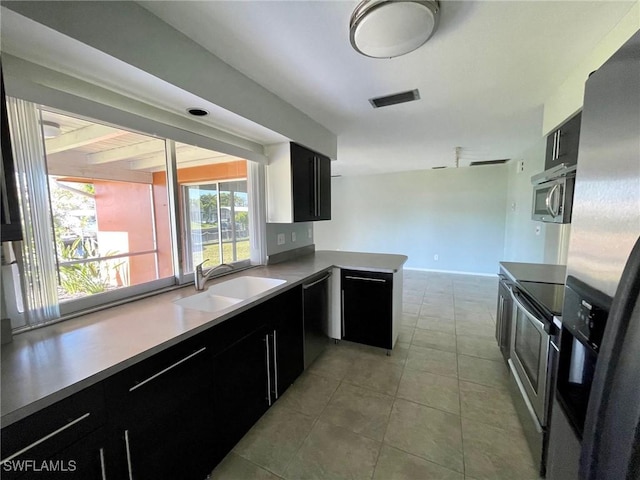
{"x":148,"y":348}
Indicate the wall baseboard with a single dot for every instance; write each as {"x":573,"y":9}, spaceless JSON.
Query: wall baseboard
{"x":451,"y":271}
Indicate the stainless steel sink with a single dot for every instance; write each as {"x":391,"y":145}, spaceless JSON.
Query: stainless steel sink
{"x":224,"y":295}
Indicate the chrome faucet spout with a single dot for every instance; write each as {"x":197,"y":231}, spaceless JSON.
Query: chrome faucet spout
{"x":200,"y":277}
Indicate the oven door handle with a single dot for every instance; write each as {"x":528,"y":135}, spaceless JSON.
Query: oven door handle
{"x":540,"y":325}
{"x":525,"y":397}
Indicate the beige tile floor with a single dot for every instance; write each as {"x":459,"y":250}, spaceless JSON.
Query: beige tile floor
{"x":437,"y":408}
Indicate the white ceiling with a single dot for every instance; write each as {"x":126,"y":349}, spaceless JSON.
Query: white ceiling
{"x":483,"y":76}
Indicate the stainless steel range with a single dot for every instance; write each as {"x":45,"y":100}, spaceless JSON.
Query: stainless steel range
{"x":533,"y":356}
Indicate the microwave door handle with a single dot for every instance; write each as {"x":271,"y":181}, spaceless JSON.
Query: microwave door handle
{"x":547,"y":201}
{"x":556,"y":195}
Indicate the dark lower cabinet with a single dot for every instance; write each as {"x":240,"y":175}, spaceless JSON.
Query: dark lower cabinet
{"x":65,"y":440}
{"x":161,"y":412}
{"x":251,"y":374}
{"x":286,"y":329}
{"x":367,"y":308}
{"x":242,"y":390}
{"x":174,"y":415}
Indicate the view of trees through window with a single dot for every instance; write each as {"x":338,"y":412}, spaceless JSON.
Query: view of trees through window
{"x":218,"y":222}
{"x":110,"y":206}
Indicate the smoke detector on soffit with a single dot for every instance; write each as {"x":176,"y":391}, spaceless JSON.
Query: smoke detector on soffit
{"x":390,"y":28}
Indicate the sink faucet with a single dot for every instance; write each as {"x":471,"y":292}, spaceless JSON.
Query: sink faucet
{"x":201,"y":277}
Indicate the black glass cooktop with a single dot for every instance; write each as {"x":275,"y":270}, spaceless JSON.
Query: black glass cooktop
{"x":548,"y":296}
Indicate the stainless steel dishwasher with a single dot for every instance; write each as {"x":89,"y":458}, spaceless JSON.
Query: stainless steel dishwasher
{"x":315,"y":298}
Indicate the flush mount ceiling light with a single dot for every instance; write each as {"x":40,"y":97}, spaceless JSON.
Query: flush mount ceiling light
{"x":390,"y":28}
{"x":50,"y":129}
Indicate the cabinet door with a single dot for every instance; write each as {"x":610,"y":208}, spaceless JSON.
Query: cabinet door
{"x":562,"y":144}
{"x":287,"y":336}
{"x":242,"y":387}
{"x":550,"y":152}
{"x":367,"y":308}
{"x":304,"y":186}
{"x":163,"y":414}
{"x":55,"y":433}
{"x":324,"y":182}
{"x":569,"y":140}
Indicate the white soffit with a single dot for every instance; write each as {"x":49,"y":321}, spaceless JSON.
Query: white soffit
{"x":27,"y":39}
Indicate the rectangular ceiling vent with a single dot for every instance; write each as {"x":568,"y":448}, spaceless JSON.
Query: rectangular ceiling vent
{"x":489,"y":162}
{"x":437,"y":168}
{"x":402,"y":97}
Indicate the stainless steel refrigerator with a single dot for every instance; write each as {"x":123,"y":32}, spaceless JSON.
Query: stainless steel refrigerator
{"x":602,"y":440}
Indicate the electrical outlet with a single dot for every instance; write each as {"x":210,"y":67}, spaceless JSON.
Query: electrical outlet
{"x":435,"y":257}
{"x":538,"y":229}
{"x":521,"y":166}
{"x":281,"y":239}
{"x":310,"y":233}
{"x":293,"y":236}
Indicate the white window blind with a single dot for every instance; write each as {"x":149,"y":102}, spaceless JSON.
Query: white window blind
{"x":39,"y":256}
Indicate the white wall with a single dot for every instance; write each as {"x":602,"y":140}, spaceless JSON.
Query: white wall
{"x":527,"y":240}
{"x":458,"y":214}
{"x":568,"y":98}
{"x":521,"y":243}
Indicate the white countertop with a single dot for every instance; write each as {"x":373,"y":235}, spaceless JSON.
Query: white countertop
{"x":45,"y":365}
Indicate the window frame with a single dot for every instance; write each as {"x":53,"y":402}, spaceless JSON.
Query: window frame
{"x":95,"y":302}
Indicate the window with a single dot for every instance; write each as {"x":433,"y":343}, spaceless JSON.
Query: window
{"x":215,"y":223}
{"x":106,"y":217}
{"x":214,"y":206}
{"x":110,"y":210}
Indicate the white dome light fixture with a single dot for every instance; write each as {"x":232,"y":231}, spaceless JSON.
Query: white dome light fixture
{"x":51,"y":129}
{"x":390,"y":28}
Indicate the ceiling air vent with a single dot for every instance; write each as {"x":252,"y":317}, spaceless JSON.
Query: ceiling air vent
{"x":402,"y":97}
{"x":488,"y":162}
{"x":437,"y":168}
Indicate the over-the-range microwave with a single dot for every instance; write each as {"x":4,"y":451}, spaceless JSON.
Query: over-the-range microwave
{"x":553,"y":194}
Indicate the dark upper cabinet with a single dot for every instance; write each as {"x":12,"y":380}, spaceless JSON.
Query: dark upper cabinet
{"x":298,"y":185}
{"x":367,"y":308}
{"x":562,"y":144}
{"x":311,"y":184}
{"x":10,"y":229}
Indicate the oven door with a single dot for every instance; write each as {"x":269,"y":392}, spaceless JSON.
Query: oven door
{"x":530,"y":340}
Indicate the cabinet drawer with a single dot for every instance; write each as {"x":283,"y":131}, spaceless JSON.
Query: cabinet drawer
{"x":46,"y":433}
{"x":161,"y":383}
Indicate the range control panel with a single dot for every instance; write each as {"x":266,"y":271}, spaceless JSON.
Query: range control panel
{"x":585,"y":312}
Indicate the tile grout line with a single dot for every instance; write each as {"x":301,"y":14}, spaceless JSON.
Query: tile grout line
{"x":313,"y":425}
{"x":464,"y":464}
